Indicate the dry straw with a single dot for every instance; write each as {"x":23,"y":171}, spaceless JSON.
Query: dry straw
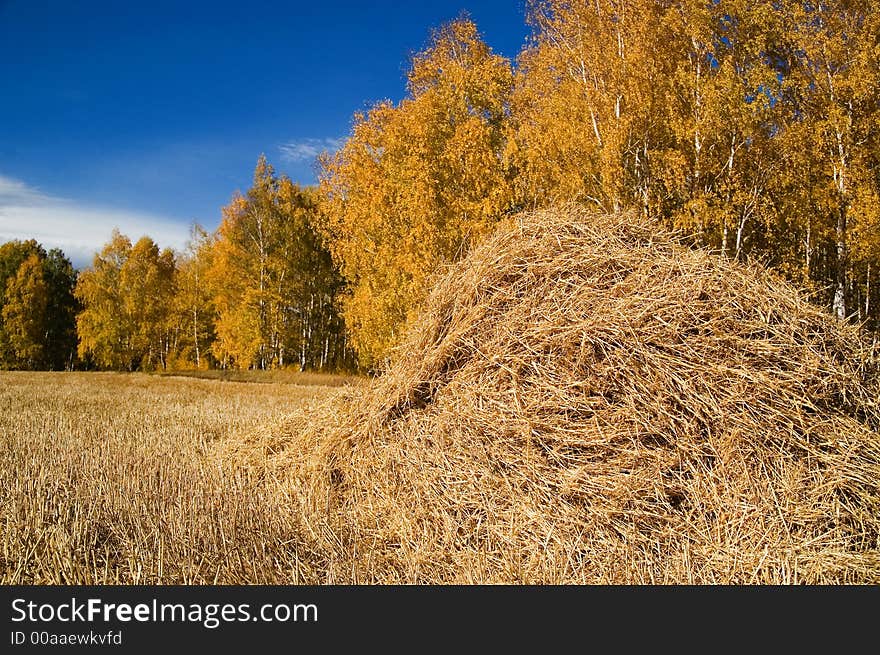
{"x":584,"y":400}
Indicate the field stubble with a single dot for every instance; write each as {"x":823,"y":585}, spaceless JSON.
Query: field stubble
{"x":582,"y":400}
{"x":108,"y":479}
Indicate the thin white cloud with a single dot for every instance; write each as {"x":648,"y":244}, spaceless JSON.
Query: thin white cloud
{"x":12,"y":190}
{"x":307,"y":149}
{"x":80,"y":231}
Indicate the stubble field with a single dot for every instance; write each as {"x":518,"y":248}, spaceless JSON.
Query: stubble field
{"x":109,"y":478}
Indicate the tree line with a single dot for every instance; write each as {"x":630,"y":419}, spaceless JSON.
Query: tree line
{"x":751,"y":127}
{"x":260,"y":292}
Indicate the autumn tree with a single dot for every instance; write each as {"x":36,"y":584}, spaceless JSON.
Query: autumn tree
{"x":274,"y":282}
{"x":194,"y":327}
{"x":832,"y":70}
{"x":102,"y":329}
{"x":308,"y":287}
{"x":147,"y":293}
{"x":659,"y":106}
{"x":37,"y":308}
{"x":25,"y":315}
{"x":589,"y":104}
{"x":750,"y":126}
{"x":126,"y":301}
{"x":13,"y":254}
{"x":418,"y":183}
{"x":723,"y":118}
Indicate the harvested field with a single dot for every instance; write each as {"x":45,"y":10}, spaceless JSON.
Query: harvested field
{"x":583,"y":400}
{"x":106,"y":478}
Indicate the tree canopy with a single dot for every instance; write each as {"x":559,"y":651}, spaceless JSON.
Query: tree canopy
{"x":748,"y":127}
{"x":418,"y":183}
{"x":37,"y":307}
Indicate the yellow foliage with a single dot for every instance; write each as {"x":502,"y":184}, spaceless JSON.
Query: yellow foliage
{"x":126,"y":297}
{"x":272,"y":283}
{"x":24,"y":314}
{"x":418,"y":183}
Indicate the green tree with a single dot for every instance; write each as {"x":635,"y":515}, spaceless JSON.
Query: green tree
{"x":61,"y":311}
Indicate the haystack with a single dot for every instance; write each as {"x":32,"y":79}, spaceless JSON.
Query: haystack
{"x":585,"y":400}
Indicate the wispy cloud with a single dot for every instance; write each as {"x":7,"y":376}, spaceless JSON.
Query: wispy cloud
{"x":12,"y":190}
{"x":307,"y":149}
{"x":79,"y":230}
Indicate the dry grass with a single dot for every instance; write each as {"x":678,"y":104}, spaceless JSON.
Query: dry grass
{"x":583,"y":400}
{"x":280,"y":376}
{"x":105,"y":478}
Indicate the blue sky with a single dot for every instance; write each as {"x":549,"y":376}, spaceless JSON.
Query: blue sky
{"x":149,"y":115}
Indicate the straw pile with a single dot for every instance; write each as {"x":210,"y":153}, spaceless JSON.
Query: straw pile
{"x":585,"y":400}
